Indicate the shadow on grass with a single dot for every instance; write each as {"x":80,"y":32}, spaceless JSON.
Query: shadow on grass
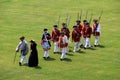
{"x":58,"y":53}
{"x":81,"y":52}
{"x":101,"y":46}
{"x":70,"y":54}
{"x":50,"y":59}
{"x":67,"y":60}
{"x":92,"y":48}
{"x":38,"y":67}
{"x":70,"y":51}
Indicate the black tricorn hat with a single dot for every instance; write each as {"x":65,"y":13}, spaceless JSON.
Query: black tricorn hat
{"x":84,"y":21}
{"x":22,"y":37}
{"x":74,"y":26}
{"x":45,"y":29}
{"x":55,"y":26}
{"x":63,"y":24}
{"x":95,"y":20}
{"x":78,"y":21}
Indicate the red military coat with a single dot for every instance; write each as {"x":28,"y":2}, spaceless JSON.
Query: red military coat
{"x":84,"y":30}
{"x":55,"y":35}
{"x":75,"y":35}
{"x":61,"y":42}
{"x":88,"y":32}
{"x":95,"y":33}
{"x":66,"y":31}
{"x":79,"y":28}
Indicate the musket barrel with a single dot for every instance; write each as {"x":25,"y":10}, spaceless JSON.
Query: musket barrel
{"x":58,"y":20}
{"x":80,"y":15}
{"x":86,"y":15}
{"x":100,"y":16}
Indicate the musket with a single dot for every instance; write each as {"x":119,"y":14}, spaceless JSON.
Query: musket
{"x":90,"y":18}
{"x":67,"y":20}
{"x":58,"y":20}
{"x":100,"y":16}
{"x":80,"y":15}
{"x":15,"y":57}
{"x":86,"y":15}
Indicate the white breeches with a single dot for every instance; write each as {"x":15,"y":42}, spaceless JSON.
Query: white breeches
{"x":76,"y":46}
{"x":87,"y":43}
{"x":46,"y":54}
{"x":63,"y":55}
{"x":56,"y":48}
{"x":96,"y":40}
{"x":81,"y":41}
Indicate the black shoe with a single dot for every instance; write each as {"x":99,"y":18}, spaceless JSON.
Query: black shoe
{"x":20,"y":64}
{"x":81,"y":45}
{"x":48,"y":57}
{"x":95,"y":45}
{"x":84,"y":47}
{"x":61,"y":59}
{"x":44,"y":57}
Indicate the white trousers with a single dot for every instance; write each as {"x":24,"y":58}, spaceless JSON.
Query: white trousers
{"x":96,"y":40}
{"x":76,"y":46}
{"x":23,"y":58}
{"x":84,"y":41}
{"x":56,"y":48}
{"x":81,"y":41}
{"x":63,"y":55}
{"x":66,"y":49}
{"x":87,"y":42}
{"x":46,"y":54}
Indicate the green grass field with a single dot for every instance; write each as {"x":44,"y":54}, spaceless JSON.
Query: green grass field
{"x":30,"y":17}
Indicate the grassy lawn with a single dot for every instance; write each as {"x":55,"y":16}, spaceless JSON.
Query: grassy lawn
{"x":30,"y":17}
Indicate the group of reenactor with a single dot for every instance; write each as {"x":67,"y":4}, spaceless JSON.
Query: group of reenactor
{"x":61,"y":38}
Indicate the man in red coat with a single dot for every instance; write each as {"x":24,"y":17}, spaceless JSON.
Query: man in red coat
{"x":79,"y":27}
{"x":88,"y":33}
{"x":63,"y":45}
{"x":96,"y":31}
{"x":66,"y":32}
{"x":76,"y":38}
{"x":55,"y":38}
{"x":83,"y":30}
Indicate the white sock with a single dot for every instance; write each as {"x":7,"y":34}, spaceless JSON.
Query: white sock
{"x":45,"y":53}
